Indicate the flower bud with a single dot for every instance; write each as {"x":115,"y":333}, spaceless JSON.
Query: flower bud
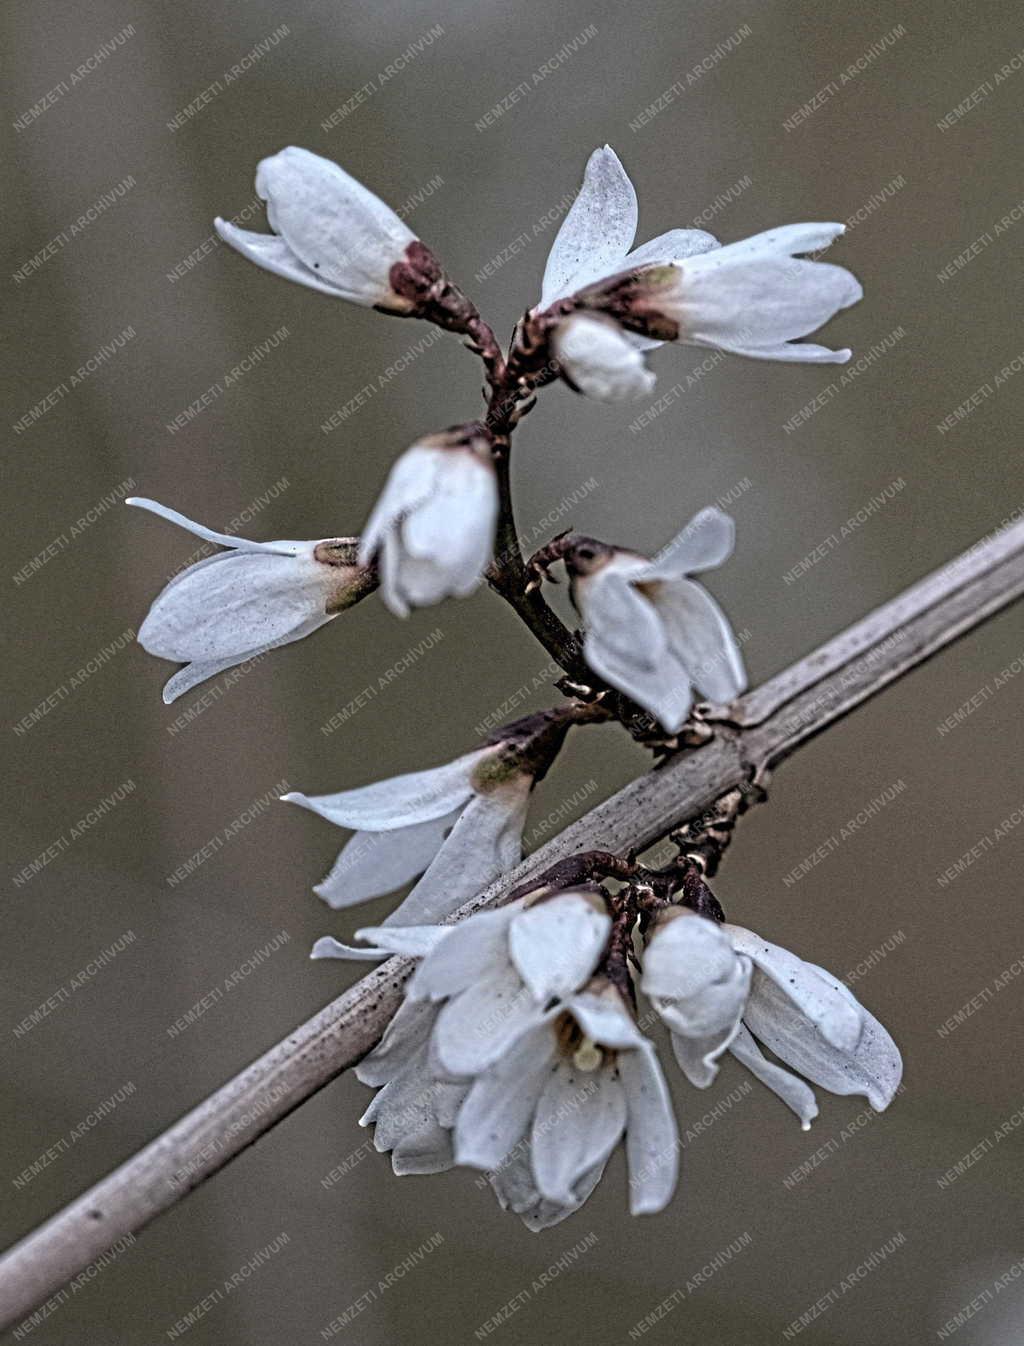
{"x":598,"y":359}
{"x":433,"y":527}
{"x":330,"y":232}
{"x":247,"y":600}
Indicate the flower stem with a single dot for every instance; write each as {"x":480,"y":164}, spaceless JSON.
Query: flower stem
{"x":510,"y":393}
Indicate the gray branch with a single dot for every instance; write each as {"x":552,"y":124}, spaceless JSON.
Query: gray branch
{"x":756,"y":733}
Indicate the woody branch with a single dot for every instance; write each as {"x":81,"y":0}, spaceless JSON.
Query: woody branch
{"x":758,"y":731}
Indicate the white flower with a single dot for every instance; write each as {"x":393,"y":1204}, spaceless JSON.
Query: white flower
{"x":597,"y":358}
{"x":699,"y":986}
{"x":462,"y":823}
{"x":497,"y":971}
{"x":330,"y":232}
{"x":415,"y":1105}
{"x":551,"y":1064}
{"x":596,"y":236}
{"x":652,"y":632}
{"x":594,"y":243}
{"x":545,"y":1116}
{"x":752,"y":297}
{"x":246,"y":600}
{"x":810,"y":1020}
{"x":432,"y":529}
{"x":757,"y":297}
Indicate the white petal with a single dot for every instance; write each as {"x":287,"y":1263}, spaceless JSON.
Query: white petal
{"x":795,"y":352}
{"x":499,"y":1107}
{"x":401,"y":801}
{"x":675,"y":246}
{"x":328,"y":947}
{"x":372,"y":863}
{"x":599,"y":361}
{"x":556,"y":944}
{"x":449,"y":1102}
{"x":714,"y":1011}
{"x":390,"y":561}
{"x":597,"y":231}
{"x":481,"y":1024}
{"x":652,"y":1138}
{"x":410,"y":482}
{"x":456,"y":522}
{"x":485,"y":842}
{"x":406,"y":1107}
{"x":285,"y":548}
{"x":418,"y":582}
{"x":547,"y":1213}
{"x":574,"y":1130}
{"x":873,"y":1067}
{"x":698,"y":1056}
{"x":706,"y":541}
{"x":626,"y":645}
{"x":407,"y":1032}
{"x":242,"y":602}
{"x":332,"y":223}
{"x":787,"y":240}
{"x":445,"y":543}
{"x":428,"y":1150}
{"x":701,"y":637}
{"x":512,"y":1180}
{"x":744,"y":301}
{"x":434,"y":526}
{"x":605,"y":1019}
{"x":476,"y":950}
{"x":194,"y":673}
{"x":793,"y":1092}
{"x":837,"y":1017}
{"x":415,"y":941}
{"x":686,"y":955}
{"x":274,"y":255}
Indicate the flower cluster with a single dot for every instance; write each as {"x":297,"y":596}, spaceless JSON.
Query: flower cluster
{"x":651,"y":633}
{"x":518,"y":1048}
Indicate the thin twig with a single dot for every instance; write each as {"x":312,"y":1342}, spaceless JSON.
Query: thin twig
{"x":510,"y":387}
{"x":760,"y":730}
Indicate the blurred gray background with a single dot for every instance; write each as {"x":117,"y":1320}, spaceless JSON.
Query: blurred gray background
{"x":703,"y":103}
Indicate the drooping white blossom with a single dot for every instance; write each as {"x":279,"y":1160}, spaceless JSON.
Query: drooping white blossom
{"x":810,"y":1020}
{"x":651,"y":631}
{"x":551,"y":1066}
{"x":545,"y":1117}
{"x":432,"y":529}
{"x":699,"y":986}
{"x":598,"y":358}
{"x":329,"y":231}
{"x":459,"y":825}
{"x":248,"y":599}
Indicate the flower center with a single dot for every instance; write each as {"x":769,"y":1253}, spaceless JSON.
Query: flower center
{"x":583,"y":1051}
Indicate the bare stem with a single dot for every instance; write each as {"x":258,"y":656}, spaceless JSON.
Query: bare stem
{"x":510,"y":391}
{"x":763,"y":728}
